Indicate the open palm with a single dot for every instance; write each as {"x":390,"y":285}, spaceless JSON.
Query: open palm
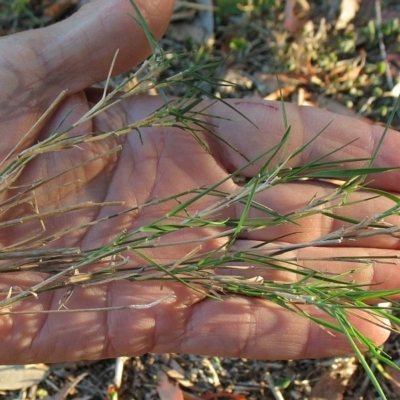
{"x":159,"y":163}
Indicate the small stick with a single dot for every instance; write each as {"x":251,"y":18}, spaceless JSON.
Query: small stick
{"x":116,"y":308}
{"x":119,"y":370}
{"x":382,"y":47}
{"x":271,"y":384}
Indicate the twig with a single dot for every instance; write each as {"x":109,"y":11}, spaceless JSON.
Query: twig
{"x":78,"y":310}
{"x":382,"y":47}
{"x":274,"y":390}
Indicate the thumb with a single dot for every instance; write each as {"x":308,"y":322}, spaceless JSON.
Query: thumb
{"x":75,"y":53}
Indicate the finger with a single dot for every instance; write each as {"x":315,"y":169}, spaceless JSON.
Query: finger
{"x":258,"y":329}
{"x":371,"y":268}
{"x":234,"y":327}
{"x":264,"y":128}
{"x":75,"y":53}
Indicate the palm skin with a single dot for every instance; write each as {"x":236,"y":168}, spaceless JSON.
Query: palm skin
{"x":34,"y":70}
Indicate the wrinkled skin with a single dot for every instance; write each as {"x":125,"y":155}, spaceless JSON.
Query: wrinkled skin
{"x":34,"y":68}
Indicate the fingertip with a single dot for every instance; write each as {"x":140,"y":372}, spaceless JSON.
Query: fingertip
{"x":258,"y":329}
{"x":78,"y":52}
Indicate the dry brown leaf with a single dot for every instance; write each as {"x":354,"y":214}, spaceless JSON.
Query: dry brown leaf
{"x":178,"y":376}
{"x":212,"y":396}
{"x":349,"y":70}
{"x":168,"y":390}
{"x":348,"y":10}
{"x":190,"y":396}
{"x":16,"y":377}
{"x":268,"y":85}
{"x":59,"y":8}
{"x":331,"y":385}
{"x":328,"y":387}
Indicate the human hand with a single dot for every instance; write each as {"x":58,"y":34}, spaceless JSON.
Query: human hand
{"x":34,"y":68}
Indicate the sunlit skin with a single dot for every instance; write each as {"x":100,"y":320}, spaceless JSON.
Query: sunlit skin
{"x":74,"y":54}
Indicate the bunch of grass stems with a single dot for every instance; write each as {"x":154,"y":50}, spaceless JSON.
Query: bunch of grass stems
{"x":67,"y":268}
